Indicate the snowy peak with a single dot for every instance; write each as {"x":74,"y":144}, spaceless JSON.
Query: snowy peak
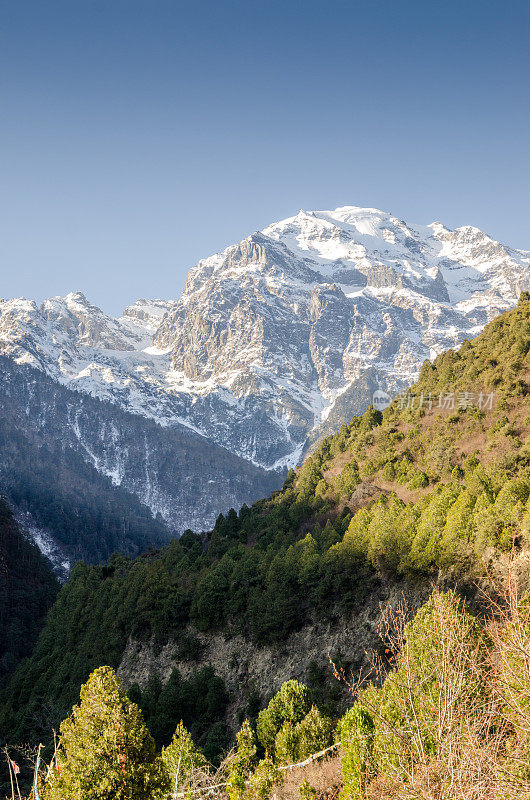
{"x":388,"y":251}
{"x":85,"y":325}
{"x":281,"y":334}
{"x":315,"y":301}
{"x":360,"y":246}
{"x":143,"y":318}
{"x":474,"y":264}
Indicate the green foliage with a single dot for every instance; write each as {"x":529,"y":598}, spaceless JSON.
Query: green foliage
{"x":265,"y":777}
{"x":263,"y":572}
{"x":289,"y":705}
{"x":236,"y":785}
{"x":348,"y":479}
{"x":457,"y":474}
{"x":246,"y":748}
{"x":367,"y":469}
{"x":313,"y":733}
{"x":493,"y":359}
{"x":356,"y":732}
{"x":180,"y":758}
{"x":388,"y":472}
{"x":440,"y":682}
{"x":198,"y":703}
{"x":289,"y":729}
{"x":286,"y":744}
{"x":105,"y":749}
{"x":245,"y":761}
{"x":189,"y":647}
{"x":418,"y":480}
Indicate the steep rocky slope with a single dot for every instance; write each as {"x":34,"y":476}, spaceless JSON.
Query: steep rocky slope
{"x":251,"y":672}
{"x":83,"y":476}
{"x":305,"y":319}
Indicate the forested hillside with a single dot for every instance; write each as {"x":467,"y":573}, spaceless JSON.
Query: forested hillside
{"x":442,"y":716}
{"x":437,"y":485}
{"x":27,"y":590}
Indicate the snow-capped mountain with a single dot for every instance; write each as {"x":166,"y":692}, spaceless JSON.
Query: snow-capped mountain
{"x":283,"y":334}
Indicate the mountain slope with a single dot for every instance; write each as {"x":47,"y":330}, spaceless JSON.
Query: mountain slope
{"x":27,"y":590}
{"x":433,"y":489}
{"x":84,"y":474}
{"x":283,"y":336}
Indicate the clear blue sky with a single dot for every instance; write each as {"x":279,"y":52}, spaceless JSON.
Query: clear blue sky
{"x":137,"y":136}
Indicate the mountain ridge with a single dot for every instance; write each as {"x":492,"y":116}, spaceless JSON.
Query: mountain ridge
{"x":270,"y":333}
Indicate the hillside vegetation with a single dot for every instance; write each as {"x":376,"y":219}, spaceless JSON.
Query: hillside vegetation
{"x":410,"y":493}
{"x":448,"y":721}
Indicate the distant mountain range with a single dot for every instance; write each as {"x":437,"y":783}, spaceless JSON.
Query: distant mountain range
{"x":274,"y":342}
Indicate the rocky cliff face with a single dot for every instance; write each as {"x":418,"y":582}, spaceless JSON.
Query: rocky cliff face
{"x":246,"y":668}
{"x":290,"y":319}
{"x":282,"y":336}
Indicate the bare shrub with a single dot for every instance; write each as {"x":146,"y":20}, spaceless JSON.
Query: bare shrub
{"x":324,"y":776}
{"x":452,"y":720}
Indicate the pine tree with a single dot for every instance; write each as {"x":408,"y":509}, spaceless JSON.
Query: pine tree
{"x":286,"y":743}
{"x":246,"y":748}
{"x":105,"y":750}
{"x":266,"y":775}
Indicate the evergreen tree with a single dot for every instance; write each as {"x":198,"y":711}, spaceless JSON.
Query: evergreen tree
{"x":311,"y":734}
{"x":246,"y":748}
{"x":105,"y":750}
{"x":290,"y":704}
{"x":263,"y":779}
{"x":286,"y":743}
{"x":356,"y":732}
{"x":314,"y":733}
{"x":244,"y":762}
{"x":181,"y":758}
{"x":263,"y":574}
